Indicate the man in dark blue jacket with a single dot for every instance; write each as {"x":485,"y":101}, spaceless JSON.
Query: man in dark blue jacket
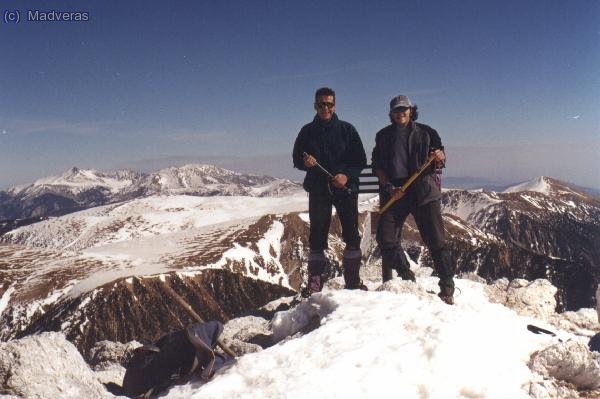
{"x":337,"y":147}
{"x":400,"y":150}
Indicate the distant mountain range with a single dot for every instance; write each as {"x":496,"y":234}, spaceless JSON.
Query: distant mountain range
{"x":78,"y":189}
{"x":473,"y":183}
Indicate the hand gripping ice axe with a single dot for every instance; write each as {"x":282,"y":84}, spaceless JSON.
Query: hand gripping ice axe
{"x":331,"y":177}
{"x":405,"y":186}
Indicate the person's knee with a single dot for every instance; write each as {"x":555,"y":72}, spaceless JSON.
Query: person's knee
{"x":385,"y":239}
{"x":435,"y":243}
{"x":318,"y":238}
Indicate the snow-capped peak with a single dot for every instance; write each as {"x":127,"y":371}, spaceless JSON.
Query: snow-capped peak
{"x":76,"y":180}
{"x":202,"y":179}
{"x":548,"y":186}
{"x":539,"y":184}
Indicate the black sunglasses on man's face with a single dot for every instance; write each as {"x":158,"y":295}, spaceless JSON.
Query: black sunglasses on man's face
{"x":399,"y":109}
{"x":323,"y":104}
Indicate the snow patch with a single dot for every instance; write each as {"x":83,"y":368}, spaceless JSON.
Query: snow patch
{"x":304,"y":217}
{"x":6,"y":299}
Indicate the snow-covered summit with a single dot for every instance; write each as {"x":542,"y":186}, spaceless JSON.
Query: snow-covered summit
{"x":540,"y":184}
{"x":548,"y":186}
{"x":201,"y":179}
{"x":78,"y":180}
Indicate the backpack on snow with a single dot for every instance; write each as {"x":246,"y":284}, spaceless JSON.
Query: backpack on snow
{"x":174,"y":359}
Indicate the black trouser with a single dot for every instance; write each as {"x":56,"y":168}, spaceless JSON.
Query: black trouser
{"x":429,"y":222}
{"x":319,"y":210}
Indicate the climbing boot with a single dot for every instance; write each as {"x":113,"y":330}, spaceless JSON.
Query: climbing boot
{"x":449,"y":299}
{"x":351,"y":266}
{"x":316,"y":266}
{"x":447,"y":291}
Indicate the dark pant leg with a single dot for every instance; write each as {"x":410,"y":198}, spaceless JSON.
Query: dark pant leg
{"x":389,"y":230}
{"x":431,"y":227}
{"x":319,"y":212}
{"x":347,"y":210}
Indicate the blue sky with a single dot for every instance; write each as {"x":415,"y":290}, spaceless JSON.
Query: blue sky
{"x":512,"y":87}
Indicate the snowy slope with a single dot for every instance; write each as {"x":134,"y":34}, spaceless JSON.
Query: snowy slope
{"x":147,"y":217}
{"x":401,"y":342}
{"x":464,"y":204}
{"x":148,"y":236}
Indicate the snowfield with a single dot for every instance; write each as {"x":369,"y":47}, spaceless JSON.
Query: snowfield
{"x":389,"y":345}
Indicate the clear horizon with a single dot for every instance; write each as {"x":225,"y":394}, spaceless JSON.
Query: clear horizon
{"x":512,"y":87}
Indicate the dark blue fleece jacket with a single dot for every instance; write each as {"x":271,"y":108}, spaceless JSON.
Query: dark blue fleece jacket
{"x":336,"y":145}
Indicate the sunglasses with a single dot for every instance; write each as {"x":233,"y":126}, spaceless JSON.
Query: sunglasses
{"x":323,"y":105}
{"x":399,"y":109}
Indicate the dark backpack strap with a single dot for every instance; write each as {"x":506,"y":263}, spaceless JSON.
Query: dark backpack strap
{"x":205,"y":356}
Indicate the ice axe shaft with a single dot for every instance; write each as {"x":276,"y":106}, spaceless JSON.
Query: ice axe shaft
{"x":405,"y":186}
{"x":320,"y":167}
{"x":326,"y":172}
{"x":188,"y":308}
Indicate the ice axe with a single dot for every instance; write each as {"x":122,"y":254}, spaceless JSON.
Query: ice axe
{"x":188,"y":308}
{"x":407,"y":184}
{"x":346,"y":189}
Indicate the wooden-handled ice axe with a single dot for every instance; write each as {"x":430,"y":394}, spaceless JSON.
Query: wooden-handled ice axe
{"x":188,"y":308}
{"x":331,"y":177}
{"x":407,"y":184}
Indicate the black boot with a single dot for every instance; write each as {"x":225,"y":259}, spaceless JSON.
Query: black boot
{"x":442,"y":261}
{"x":351,"y":265}
{"x":316,"y":266}
{"x":448,"y":298}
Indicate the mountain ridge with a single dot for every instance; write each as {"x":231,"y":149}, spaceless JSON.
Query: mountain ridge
{"x":78,"y":189}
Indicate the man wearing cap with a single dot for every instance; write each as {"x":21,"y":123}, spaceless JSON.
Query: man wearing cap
{"x":400,"y":150}
{"x":330,"y":145}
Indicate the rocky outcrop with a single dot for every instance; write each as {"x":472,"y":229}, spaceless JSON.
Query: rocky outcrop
{"x":535,"y":298}
{"x":569,"y":361}
{"x":547,"y":388}
{"x":247,"y":334}
{"x":582,"y":322}
{"x":46,"y":366}
{"x":105,"y":354}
